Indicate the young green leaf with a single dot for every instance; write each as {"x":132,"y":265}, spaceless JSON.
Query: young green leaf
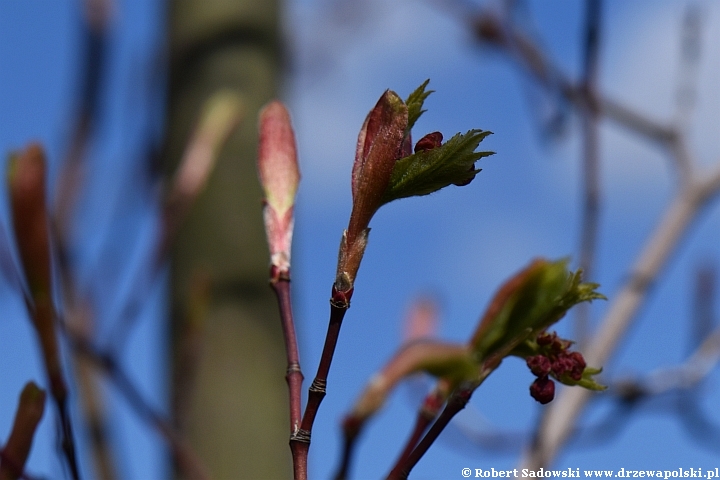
{"x":587,"y":380}
{"x":415,"y":102}
{"x":428,"y":171}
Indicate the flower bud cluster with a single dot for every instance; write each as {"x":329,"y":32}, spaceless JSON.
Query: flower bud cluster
{"x":557,"y":360}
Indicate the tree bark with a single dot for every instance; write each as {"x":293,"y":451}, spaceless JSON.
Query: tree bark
{"x":233,"y":405}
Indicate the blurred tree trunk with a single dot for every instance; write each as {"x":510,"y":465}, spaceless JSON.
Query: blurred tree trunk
{"x":233,"y":407}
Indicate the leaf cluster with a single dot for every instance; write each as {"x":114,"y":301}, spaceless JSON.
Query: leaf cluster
{"x":527,"y":304}
{"x":428,"y":171}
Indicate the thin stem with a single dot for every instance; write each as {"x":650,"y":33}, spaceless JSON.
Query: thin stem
{"x":68,"y":441}
{"x":457,"y":402}
{"x":424,"y":419}
{"x":351,"y":436}
{"x":280,"y":283}
{"x":422,"y":423}
{"x":78,"y":313}
{"x":300,"y":442}
{"x":94,"y":407}
{"x":44,"y":316}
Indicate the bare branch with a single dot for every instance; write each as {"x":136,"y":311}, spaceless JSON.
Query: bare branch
{"x":591,"y":161}
{"x":681,"y":377}
{"x":686,"y":92}
{"x":498,"y":32}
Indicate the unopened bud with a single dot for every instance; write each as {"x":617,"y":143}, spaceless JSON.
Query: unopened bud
{"x":543,"y":390}
{"x":279,"y":176}
{"x":539,"y":365}
{"x":428,"y":142}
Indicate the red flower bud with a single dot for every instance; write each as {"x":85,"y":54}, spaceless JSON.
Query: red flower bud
{"x":543,"y":390}
{"x":562,"y":364}
{"x":539,"y":365}
{"x":578,"y":367}
{"x":428,"y":142}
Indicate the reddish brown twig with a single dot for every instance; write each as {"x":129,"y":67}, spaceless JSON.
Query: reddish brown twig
{"x":300,"y":442}
{"x":31,"y":407}
{"x":293,"y":376}
{"x":455,"y":403}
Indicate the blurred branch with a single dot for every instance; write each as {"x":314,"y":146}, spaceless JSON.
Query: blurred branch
{"x":79,"y":315}
{"x":220,"y":116}
{"x":696,"y":189}
{"x":455,"y":403}
{"x":557,"y":424}
{"x":496,"y":31}
{"x":704,"y":303}
{"x":685,"y":376}
{"x":591,"y":161}
{"x":688,"y":69}
{"x":94,"y":41}
{"x":185,"y":457}
{"x":427,"y":413}
{"x":30,"y":410}
{"x":97,"y":17}
{"x":27,"y":184}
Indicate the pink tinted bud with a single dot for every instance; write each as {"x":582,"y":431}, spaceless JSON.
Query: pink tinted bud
{"x":428,"y":142}
{"x":277,"y":157}
{"x":279,"y":176}
{"x":539,"y":365}
{"x":543,"y":390}
{"x":379,"y":145}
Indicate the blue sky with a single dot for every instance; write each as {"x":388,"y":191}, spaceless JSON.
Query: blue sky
{"x":459,"y":244}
